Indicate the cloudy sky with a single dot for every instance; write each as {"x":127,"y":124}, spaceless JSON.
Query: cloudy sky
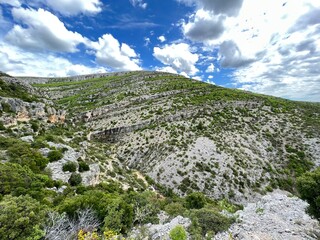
{"x":264,"y":46}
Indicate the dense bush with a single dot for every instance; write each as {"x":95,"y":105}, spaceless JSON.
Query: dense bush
{"x":7,"y":142}
{"x":17,"y":180}
{"x":309,"y":188}
{"x":83,"y":166}
{"x":54,"y":155}
{"x":34,"y":126}
{"x":75,"y":179}
{"x":195,"y":200}
{"x":21,"y":218}
{"x":69,"y":167}
{"x":207,"y":220}
{"x":23,"y":154}
{"x":112,"y":210}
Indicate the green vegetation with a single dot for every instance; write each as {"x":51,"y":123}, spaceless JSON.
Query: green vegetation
{"x":15,"y":91}
{"x":195,"y":200}
{"x":55,"y":155}
{"x":75,"y":179}
{"x":21,"y":218}
{"x":83,"y":166}
{"x":178,"y":233}
{"x":205,"y":221}
{"x":20,"y":180}
{"x":309,"y":188}
{"x":69,"y":167}
{"x":25,"y":155}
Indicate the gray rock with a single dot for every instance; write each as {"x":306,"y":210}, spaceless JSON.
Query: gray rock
{"x":275,"y":216}
{"x":91,"y":177}
{"x":28,"y":139}
{"x":161,"y":231}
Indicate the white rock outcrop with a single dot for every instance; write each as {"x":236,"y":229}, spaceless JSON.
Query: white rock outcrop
{"x":276,"y":216}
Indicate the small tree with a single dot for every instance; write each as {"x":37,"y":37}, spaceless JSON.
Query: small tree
{"x":83,"y":166}
{"x":207,"y":220}
{"x":178,"y":233}
{"x":195,"y":200}
{"x":75,"y":179}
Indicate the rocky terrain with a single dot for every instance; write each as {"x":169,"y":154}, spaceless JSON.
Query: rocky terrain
{"x":151,"y":130}
{"x":276,"y":215}
{"x":190,"y":135}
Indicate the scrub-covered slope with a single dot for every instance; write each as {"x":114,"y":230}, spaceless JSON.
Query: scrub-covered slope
{"x":189,"y":135}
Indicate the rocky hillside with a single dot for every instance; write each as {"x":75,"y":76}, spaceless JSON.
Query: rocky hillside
{"x":189,"y":135}
{"x":126,"y":153}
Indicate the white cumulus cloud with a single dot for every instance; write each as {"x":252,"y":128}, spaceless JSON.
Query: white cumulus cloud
{"x":120,"y":57}
{"x":204,"y":26}
{"x":273,"y":49}
{"x":179,"y":57}
{"x":74,"y":7}
{"x":41,"y":30}
{"x":17,"y":62}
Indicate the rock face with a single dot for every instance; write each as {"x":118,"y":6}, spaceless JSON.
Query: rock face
{"x":275,"y":216}
{"x":25,"y":111}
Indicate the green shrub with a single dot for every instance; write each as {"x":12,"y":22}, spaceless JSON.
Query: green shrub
{"x":75,"y":179}
{"x":39,"y":144}
{"x":195,"y":200}
{"x":207,"y":220}
{"x":83,"y":166}
{"x":21,"y":218}
{"x":178,"y":233}
{"x":111,"y":209}
{"x":17,"y":180}
{"x":6,"y":142}
{"x":309,"y":189}
{"x":2,"y":127}
{"x":34,"y":126}
{"x":23,"y":154}
{"x":175,"y":209}
{"x":64,"y":149}
{"x":51,"y":138}
{"x":69,"y":167}
{"x":54,"y":155}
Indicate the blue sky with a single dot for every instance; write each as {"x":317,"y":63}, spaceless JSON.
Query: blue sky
{"x":266,"y":46}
